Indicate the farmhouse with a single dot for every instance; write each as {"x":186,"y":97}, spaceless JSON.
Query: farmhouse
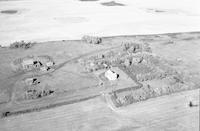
{"x":111,"y":75}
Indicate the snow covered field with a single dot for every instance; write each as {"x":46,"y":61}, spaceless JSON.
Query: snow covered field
{"x":44,"y":20}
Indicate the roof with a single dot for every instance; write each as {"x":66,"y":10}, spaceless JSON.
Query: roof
{"x":111,"y":75}
{"x":27,"y":62}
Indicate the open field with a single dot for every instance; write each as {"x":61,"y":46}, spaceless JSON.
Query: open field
{"x":36,"y":20}
{"x":165,"y":113}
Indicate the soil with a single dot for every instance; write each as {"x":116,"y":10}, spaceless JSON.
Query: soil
{"x":88,"y":0}
{"x":112,"y":3}
{"x":9,"y":11}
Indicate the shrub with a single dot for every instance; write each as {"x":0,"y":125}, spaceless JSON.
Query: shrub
{"x":126,"y":46}
{"x":92,"y":39}
{"x":35,"y":94}
{"x":131,"y":47}
{"x":135,"y":48}
{"x":22,"y":44}
{"x":5,"y":114}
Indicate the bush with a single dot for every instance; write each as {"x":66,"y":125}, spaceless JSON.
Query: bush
{"x":35,"y":94}
{"x":92,"y":39}
{"x":135,"y":48}
{"x":5,"y":114}
{"x":131,"y":47}
{"x":126,"y":46}
{"x":22,"y":44}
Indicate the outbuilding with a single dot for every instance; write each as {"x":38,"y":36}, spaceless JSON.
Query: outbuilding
{"x":27,"y":63}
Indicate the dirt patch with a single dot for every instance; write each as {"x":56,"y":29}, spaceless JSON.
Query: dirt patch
{"x":159,"y":11}
{"x":166,"y":11}
{"x":88,"y":0}
{"x":9,"y":11}
{"x":156,"y":10}
{"x":112,"y":3}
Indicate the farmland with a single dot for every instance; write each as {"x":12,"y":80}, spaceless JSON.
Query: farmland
{"x":63,"y":84}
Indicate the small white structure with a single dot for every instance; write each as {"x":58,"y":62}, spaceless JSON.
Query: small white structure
{"x":111,"y":75}
{"x":43,"y":68}
{"x":50,"y":63}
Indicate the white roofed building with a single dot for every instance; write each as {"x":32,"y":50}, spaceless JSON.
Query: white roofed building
{"x":111,"y":75}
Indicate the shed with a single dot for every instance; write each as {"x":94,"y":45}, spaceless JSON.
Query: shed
{"x":26,"y":64}
{"x":50,"y":63}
